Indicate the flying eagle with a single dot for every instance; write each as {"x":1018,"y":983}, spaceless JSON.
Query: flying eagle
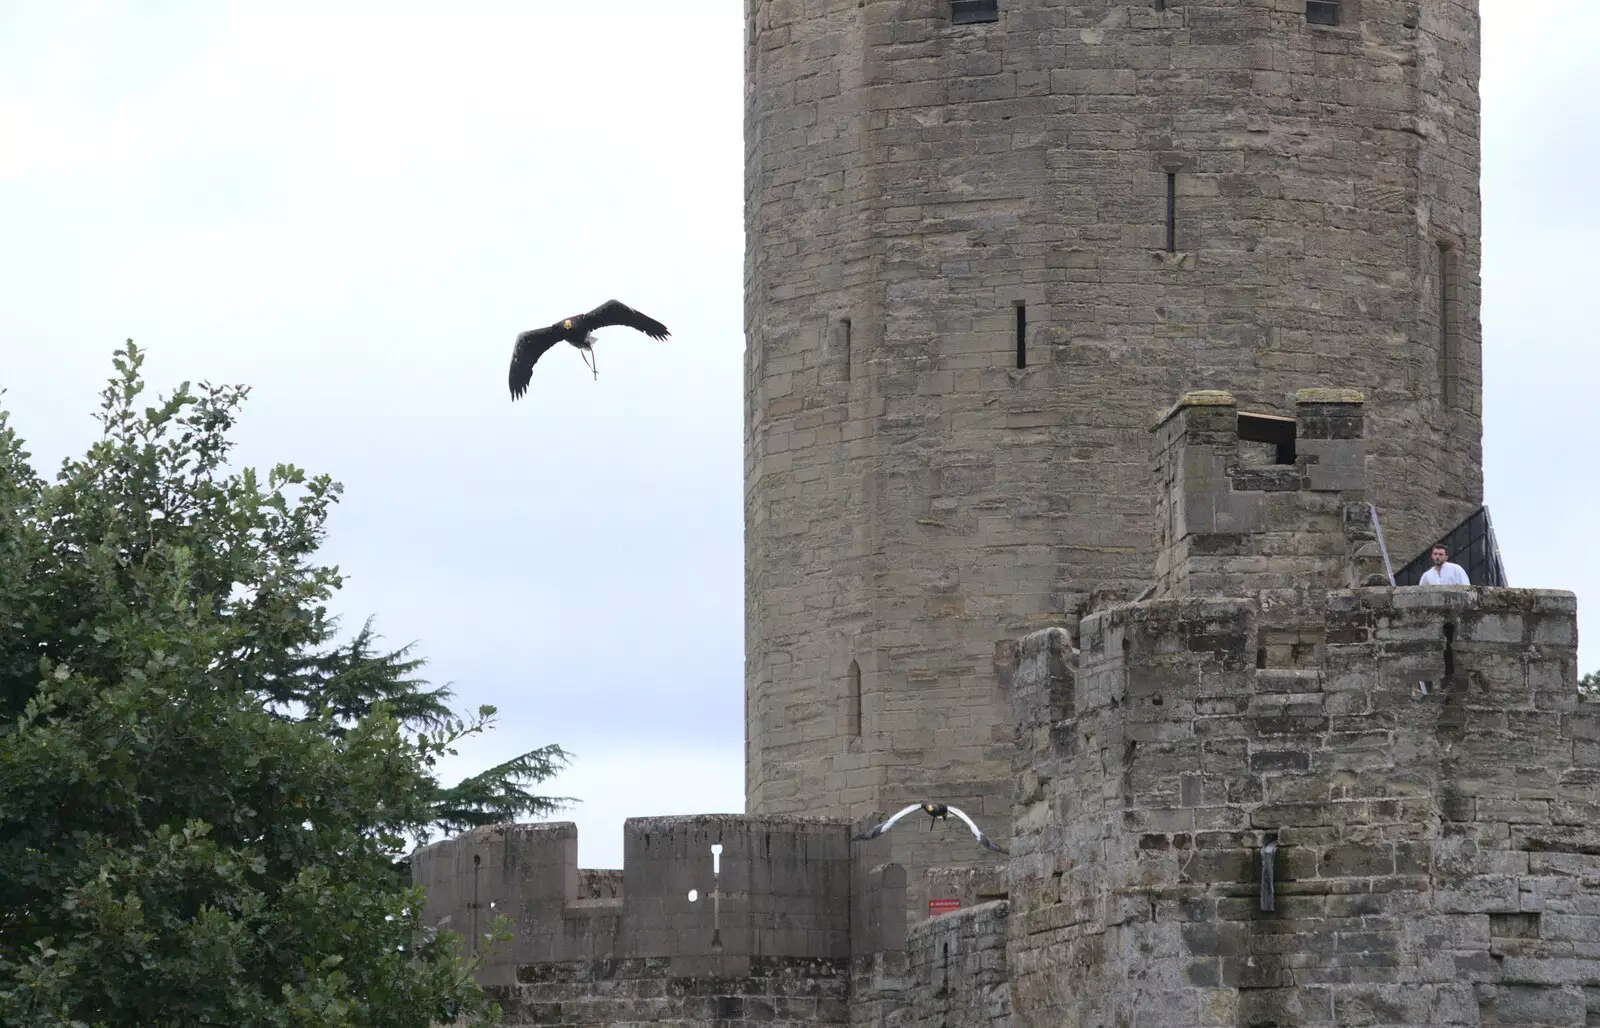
{"x":935,"y":811}
{"x":579,"y":331}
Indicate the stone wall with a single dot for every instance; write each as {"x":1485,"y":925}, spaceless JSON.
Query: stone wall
{"x":1266,"y":798}
{"x":953,"y":973}
{"x":914,"y":499}
{"x":1260,"y":795}
{"x":776,"y":992}
{"x":1430,"y":786}
{"x":705,"y":894}
{"x":794,"y":923}
{"x":1230,"y":527}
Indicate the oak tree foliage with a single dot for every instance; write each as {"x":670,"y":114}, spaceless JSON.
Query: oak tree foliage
{"x":205,"y":794}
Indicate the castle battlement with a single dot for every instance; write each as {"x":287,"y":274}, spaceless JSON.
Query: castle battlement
{"x":984,"y":240}
{"x":1250,"y":501}
{"x":707,"y":894}
{"x":1422,"y":781}
{"x":1270,"y":791}
{"x":1271,"y":794}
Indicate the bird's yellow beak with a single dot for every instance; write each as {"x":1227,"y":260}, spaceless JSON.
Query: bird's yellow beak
{"x":567,"y":323}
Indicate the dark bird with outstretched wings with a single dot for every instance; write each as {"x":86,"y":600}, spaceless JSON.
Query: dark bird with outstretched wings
{"x":935,"y":811}
{"x":579,"y":331}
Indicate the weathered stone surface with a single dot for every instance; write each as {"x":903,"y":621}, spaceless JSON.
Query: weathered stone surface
{"x":913,"y":496}
{"x":705,"y":893}
{"x":954,"y":974}
{"x":959,"y":586}
{"x":1420,"y":766}
{"x":776,"y":992}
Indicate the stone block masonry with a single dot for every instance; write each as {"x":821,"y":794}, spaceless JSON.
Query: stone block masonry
{"x":1415,"y":765}
{"x":1430,"y":786}
{"x":924,"y":486}
{"x":954,"y":973}
{"x":760,"y":929}
{"x":1231,"y":527}
{"x":775,"y":992}
{"x":1417,"y":758}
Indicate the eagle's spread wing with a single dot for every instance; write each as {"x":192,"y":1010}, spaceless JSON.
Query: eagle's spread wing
{"x":531,"y":345}
{"x":984,"y":839}
{"x":889,"y":823}
{"x":615,"y":312}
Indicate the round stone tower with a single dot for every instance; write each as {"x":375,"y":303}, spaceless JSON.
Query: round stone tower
{"x":987,"y":241}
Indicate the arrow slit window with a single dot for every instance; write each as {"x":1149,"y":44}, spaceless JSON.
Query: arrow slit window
{"x":1172,"y":212}
{"x":1448,"y":301}
{"x":1022,"y":334}
{"x":852,"y":710}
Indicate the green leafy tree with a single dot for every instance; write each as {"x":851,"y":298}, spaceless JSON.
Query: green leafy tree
{"x":206,"y":798}
{"x":1589,"y":684}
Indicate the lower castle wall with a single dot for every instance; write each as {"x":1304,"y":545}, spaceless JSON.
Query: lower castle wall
{"x":700,"y":892}
{"x":1413,"y":765}
{"x":1420,"y":756}
{"x":775,"y":992}
{"x":953,"y":975}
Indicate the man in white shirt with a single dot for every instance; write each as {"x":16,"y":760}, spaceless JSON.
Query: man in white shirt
{"x":1443,"y":572}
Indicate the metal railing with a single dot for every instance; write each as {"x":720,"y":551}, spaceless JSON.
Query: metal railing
{"x":1471,"y":544}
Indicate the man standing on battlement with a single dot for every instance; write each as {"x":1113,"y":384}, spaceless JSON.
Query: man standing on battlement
{"x":1443,"y":572}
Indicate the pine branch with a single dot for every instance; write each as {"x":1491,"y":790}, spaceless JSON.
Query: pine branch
{"x":501,"y":794}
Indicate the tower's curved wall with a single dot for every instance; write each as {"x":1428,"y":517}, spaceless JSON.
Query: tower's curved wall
{"x":913,"y":498}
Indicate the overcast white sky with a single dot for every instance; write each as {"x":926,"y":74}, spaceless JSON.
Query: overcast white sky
{"x":355,"y":207}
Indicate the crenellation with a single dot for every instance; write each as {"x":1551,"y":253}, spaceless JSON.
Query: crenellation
{"x":1385,"y":847}
{"x":781,"y":912}
{"x":959,"y":587}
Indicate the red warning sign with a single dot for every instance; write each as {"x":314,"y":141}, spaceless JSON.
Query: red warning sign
{"x":944,"y":905}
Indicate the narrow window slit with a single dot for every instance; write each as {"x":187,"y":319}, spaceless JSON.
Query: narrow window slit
{"x":1172,"y":212}
{"x":1447,"y":327}
{"x":853,"y":700}
{"x":1269,"y":853}
{"x":844,"y":345}
{"x":1022,"y":334}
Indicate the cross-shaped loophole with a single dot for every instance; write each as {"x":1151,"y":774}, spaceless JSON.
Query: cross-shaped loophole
{"x":716,"y":896}
{"x":716,"y":869}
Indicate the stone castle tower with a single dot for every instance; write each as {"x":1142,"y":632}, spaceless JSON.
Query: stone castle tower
{"x":1083,"y":336}
{"x":987,"y":242}
{"x":1268,"y":794}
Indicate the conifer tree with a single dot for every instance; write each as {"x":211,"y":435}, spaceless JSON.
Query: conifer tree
{"x":206,"y":797}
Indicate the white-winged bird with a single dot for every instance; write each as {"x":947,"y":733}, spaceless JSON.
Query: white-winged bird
{"x":579,"y":331}
{"x":935,"y":811}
